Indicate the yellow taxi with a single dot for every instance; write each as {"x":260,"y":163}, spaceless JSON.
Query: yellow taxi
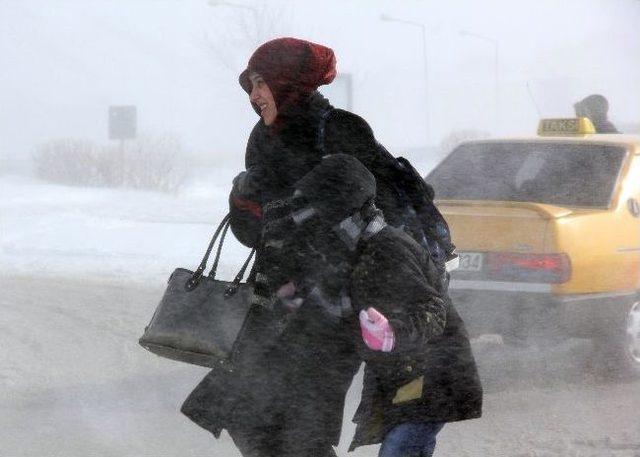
{"x":548,"y":233}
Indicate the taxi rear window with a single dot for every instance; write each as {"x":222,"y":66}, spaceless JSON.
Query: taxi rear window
{"x":563,"y":174}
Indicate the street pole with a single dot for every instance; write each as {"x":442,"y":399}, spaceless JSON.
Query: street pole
{"x":496,"y":70}
{"x":423,"y":29}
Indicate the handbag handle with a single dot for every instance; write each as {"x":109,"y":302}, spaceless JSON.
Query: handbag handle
{"x":236,"y":282}
{"x":221,"y":232}
{"x":216,"y":261}
{"x":197,"y":275}
{"x":214,"y":268}
{"x":233,"y":288}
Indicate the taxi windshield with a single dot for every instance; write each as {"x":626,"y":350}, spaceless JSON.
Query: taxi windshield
{"x":563,"y":174}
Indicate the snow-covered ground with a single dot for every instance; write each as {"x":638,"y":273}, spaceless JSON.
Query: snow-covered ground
{"x":118,"y":233}
{"x":81,"y":273}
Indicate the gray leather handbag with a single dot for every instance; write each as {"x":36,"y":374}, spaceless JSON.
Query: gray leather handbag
{"x":199,"y":317}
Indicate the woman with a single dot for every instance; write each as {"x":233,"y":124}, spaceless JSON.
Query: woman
{"x":286,"y":394}
{"x":297,"y":127}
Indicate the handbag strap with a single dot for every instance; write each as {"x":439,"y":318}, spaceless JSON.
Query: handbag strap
{"x":240,"y":274}
{"x":233,"y":288}
{"x":236,"y":282}
{"x":197,"y":275}
{"x":214,"y":268}
{"x":216,"y":261}
{"x":220,"y":232}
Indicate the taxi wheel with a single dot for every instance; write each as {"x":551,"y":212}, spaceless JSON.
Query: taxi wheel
{"x":632,"y":338}
{"x":619,"y":355}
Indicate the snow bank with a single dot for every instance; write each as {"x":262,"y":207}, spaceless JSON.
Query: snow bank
{"x":118,"y":233}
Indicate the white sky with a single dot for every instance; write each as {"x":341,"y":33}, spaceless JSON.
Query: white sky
{"x":63,"y":62}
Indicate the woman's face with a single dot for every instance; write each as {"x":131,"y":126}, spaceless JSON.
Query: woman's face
{"x":261,"y":95}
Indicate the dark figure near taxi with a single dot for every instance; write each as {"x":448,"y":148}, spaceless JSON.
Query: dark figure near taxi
{"x":595,"y":107}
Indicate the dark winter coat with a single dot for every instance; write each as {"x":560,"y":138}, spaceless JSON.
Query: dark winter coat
{"x":278,"y":157}
{"x":286,"y":392}
{"x":430,"y":376}
{"x":291,"y":380}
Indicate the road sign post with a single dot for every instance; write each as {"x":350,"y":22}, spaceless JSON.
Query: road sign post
{"x":122,"y":126}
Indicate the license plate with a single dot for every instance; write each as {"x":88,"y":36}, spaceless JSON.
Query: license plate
{"x":470,"y":261}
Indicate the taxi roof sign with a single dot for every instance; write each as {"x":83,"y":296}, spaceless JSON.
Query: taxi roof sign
{"x":567,"y":126}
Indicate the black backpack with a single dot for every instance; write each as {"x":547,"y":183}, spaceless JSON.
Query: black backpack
{"x":418,"y":215}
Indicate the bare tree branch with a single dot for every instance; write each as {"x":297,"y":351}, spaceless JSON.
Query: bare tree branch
{"x":245,"y":28}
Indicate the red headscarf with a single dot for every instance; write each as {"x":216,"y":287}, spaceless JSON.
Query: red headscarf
{"x":291,"y":68}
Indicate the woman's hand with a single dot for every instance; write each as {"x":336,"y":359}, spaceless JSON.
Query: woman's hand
{"x":376,"y":331}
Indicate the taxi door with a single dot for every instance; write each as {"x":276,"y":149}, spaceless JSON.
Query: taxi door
{"x":629,"y":227}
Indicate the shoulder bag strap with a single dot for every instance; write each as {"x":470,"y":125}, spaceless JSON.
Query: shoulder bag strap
{"x":320,"y":143}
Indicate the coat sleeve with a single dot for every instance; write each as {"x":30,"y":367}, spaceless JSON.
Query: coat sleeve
{"x":400,"y":283}
{"x":245,"y":210}
{"x":248,"y":194}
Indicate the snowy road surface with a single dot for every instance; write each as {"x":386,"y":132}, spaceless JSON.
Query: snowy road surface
{"x":81,"y":271}
{"x":74,"y":382}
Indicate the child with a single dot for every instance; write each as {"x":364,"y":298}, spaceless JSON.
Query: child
{"x":420,"y":372}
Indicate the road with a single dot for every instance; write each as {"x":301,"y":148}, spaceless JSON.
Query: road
{"x":74,"y":382}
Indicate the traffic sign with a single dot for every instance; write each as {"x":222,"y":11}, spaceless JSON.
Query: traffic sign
{"x":122,"y":122}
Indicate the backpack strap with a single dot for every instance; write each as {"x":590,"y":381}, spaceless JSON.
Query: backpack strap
{"x":320,"y":141}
